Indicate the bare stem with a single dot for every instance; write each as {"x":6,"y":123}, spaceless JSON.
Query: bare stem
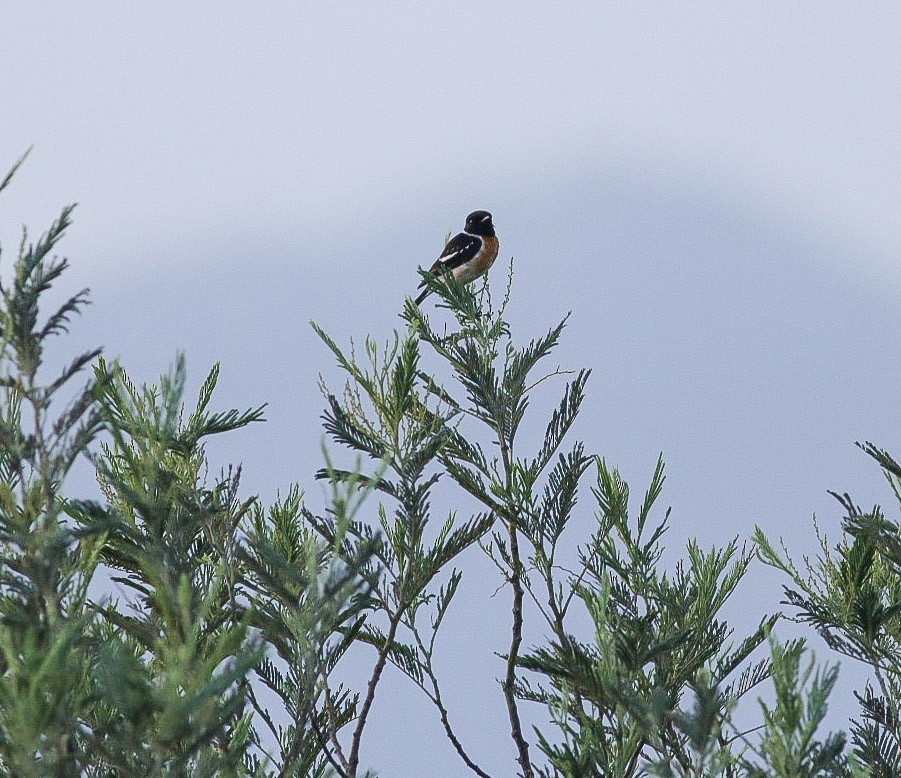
{"x":435,"y":697}
{"x":353,"y":759}
{"x":509,"y":684}
{"x":516,"y":573}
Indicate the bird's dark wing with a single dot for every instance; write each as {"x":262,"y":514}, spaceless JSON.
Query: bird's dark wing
{"x":459,"y":250}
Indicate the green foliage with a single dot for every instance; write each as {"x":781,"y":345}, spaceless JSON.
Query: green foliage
{"x":173,"y":658}
{"x":307,"y":598}
{"x":788,"y":747}
{"x":657,"y":639}
{"x":851,"y":594}
{"x":162,"y":679}
{"x":385,"y":414}
{"x":527,"y":500}
{"x":45,"y":565}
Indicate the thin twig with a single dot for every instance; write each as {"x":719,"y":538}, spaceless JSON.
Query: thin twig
{"x":353,"y":760}
{"x":435,"y":697}
{"x":553,"y":374}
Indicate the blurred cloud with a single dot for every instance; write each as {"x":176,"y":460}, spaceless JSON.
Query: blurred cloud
{"x":173,"y":121}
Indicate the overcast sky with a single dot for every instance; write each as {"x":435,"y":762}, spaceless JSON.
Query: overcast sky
{"x":712,"y":189}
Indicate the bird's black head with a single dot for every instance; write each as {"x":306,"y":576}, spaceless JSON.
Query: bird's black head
{"x":479,"y":223}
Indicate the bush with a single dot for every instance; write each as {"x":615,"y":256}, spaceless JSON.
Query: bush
{"x":222,"y":659}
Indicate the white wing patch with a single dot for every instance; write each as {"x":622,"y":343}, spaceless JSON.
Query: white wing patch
{"x":445,"y":258}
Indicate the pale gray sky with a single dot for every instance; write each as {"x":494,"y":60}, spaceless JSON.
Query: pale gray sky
{"x":711,"y":188}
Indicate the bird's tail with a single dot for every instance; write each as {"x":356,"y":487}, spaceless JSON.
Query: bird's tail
{"x":423,"y":295}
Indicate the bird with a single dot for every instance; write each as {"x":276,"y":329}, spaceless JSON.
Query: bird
{"x":469,"y":254}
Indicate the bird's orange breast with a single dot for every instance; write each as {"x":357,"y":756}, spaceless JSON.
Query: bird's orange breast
{"x":482,"y":261}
